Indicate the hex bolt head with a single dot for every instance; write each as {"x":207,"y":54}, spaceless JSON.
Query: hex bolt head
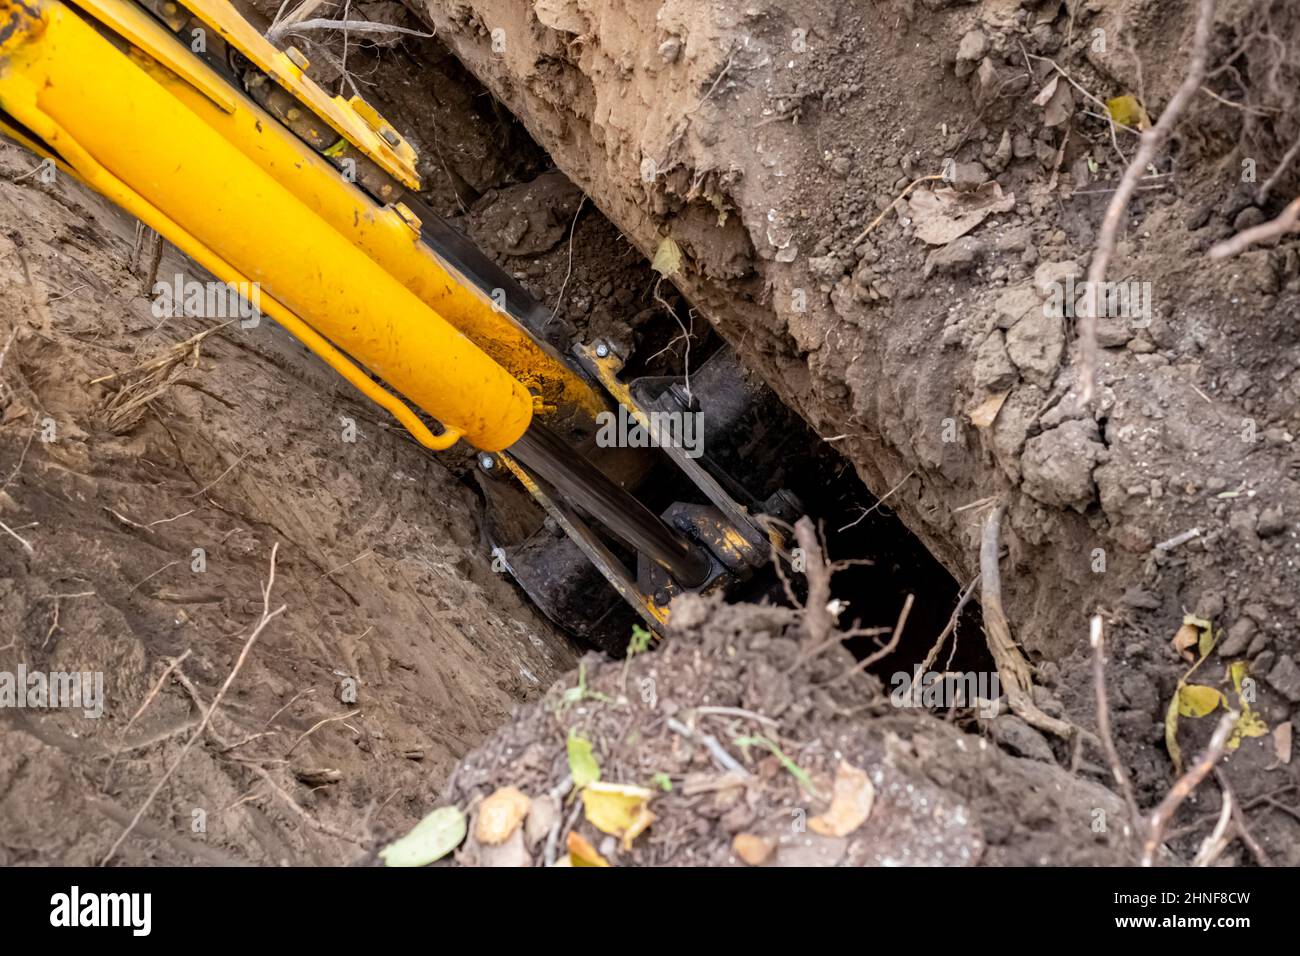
{"x":486,"y":462}
{"x":602,"y":350}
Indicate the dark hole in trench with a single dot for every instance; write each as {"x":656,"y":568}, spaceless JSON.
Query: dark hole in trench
{"x":854,"y":524}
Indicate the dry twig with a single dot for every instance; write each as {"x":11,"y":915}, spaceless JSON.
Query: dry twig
{"x":1150,"y":143}
{"x":1288,"y":221}
{"x":1097,"y":638}
{"x":1013,"y":669}
{"x":1185,"y":784}
{"x":267,"y":616}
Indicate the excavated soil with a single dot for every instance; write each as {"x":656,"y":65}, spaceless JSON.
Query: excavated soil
{"x":396,"y":632}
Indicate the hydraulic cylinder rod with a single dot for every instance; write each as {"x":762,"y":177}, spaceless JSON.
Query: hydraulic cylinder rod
{"x":583,"y":484}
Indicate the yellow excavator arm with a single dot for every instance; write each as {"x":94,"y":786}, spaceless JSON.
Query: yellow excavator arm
{"x":307,"y":195}
{"x":185,"y":116}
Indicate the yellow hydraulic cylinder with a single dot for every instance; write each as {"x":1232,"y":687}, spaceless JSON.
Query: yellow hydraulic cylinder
{"x":144,"y":136}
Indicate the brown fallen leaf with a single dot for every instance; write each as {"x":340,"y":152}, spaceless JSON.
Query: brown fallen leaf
{"x":753,"y":850}
{"x":1282,"y":744}
{"x":941,"y":215}
{"x":986,"y":412}
{"x":1058,"y":105}
{"x":1187,"y":637}
{"x":851,"y":803}
{"x":499,"y":815}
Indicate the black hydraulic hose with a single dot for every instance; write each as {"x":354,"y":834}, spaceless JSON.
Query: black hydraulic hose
{"x":580,"y":482}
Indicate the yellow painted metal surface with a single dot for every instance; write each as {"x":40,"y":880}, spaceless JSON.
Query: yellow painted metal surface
{"x":354,"y":118}
{"x":217,"y":182}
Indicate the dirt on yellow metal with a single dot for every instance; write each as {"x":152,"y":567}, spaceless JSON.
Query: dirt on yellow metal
{"x":161,"y":134}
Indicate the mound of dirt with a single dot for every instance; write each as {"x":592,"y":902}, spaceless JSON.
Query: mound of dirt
{"x":751,"y":749}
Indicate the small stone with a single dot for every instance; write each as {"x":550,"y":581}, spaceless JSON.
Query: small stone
{"x":1247,"y":218}
{"x":968,"y":176}
{"x":1058,"y":464}
{"x":829,"y":268}
{"x":1239,"y":637}
{"x":1013,"y":734}
{"x":1256,"y":612}
{"x":956,"y":258}
{"x":1013,"y":303}
{"x":993,"y":369}
{"x":1001,"y":157}
{"x":1285,"y":678}
{"x":670,"y":50}
{"x":1036,"y":344}
{"x":1050,"y":277}
{"x":970,"y":52}
{"x":1271,"y":522}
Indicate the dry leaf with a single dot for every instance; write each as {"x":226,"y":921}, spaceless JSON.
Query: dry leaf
{"x":986,"y":412}
{"x":620,"y":810}
{"x":1282,"y":742}
{"x":1048,"y":90}
{"x":1059,"y":106}
{"x":582,"y":853}
{"x":942,"y":215}
{"x":753,"y":850}
{"x":851,"y":803}
{"x":499,"y":815}
{"x":1197,"y":700}
{"x":667,"y":260}
{"x":1249,"y":724}
{"x":1187,"y":637}
{"x":1127,"y":111}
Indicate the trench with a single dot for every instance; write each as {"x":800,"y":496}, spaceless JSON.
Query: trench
{"x":484,"y":173}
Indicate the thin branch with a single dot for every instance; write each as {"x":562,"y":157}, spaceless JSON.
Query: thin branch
{"x":1097,"y":638}
{"x":278,"y":32}
{"x":1185,"y":784}
{"x":267,"y":616}
{"x":1286,"y":222}
{"x":1149,"y":145}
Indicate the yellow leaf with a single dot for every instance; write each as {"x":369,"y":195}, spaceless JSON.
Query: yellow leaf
{"x":499,"y":814}
{"x":1249,"y":724}
{"x":582,"y":853}
{"x":582,"y":762}
{"x":1197,"y":700}
{"x":1171,"y":734}
{"x":1127,"y":111}
{"x":1237,"y":672}
{"x":668,"y":257}
{"x":851,"y":803}
{"x":620,"y":810}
